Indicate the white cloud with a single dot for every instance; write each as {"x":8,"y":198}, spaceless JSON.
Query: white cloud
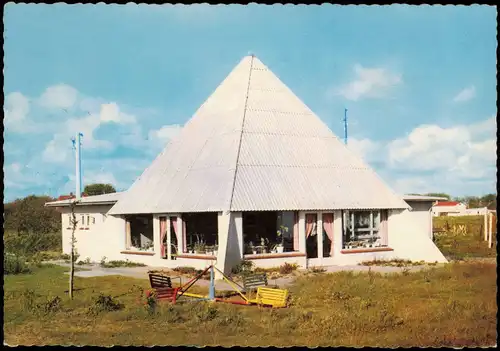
{"x":464,"y":150}
{"x":369,"y":83}
{"x":111,"y":113}
{"x":165,"y":133}
{"x":59,"y":96}
{"x":367,"y":149}
{"x":458,"y":160}
{"x":16,"y":109}
{"x":92,"y":177}
{"x":465,"y":95}
{"x":53,"y":152}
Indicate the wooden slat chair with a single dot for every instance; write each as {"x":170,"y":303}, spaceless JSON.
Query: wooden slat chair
{"x":163,"y":287}
{"x":159,"y":281}
{"x":271,"y":297}
{"x":252,"y":282}
{"x":168,"y":294}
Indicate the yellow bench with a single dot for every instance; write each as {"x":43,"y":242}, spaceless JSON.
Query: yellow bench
{"x":272,"y":297}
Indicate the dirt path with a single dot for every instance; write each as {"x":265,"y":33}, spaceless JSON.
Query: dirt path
{"x":142,"y":273}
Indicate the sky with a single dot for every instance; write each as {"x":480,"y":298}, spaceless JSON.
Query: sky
{"x":419,"y":84}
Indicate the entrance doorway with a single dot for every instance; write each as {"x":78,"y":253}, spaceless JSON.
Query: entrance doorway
{"x":311,"y":235}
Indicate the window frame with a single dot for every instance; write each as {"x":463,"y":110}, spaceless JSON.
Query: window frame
{"x":373,"y":238}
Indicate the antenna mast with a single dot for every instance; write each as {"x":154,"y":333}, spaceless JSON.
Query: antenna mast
{"x":345,"y":126}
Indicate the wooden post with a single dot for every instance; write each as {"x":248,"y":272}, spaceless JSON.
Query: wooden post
{"x":485,"y":227}
{"x":490,"y":230}
{"x":169,"y":240}
{"x":128,"y":237}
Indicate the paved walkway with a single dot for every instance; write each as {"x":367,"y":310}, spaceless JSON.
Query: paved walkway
{"x":142,"y":273}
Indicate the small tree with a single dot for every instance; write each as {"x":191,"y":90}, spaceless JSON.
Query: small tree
{"x":99,"y":189}
{"x":74,"y":222}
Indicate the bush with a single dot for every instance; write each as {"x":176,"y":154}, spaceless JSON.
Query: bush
{"x":244,"y":267}
{"x":14,"y":264}
{"x":120,"y":263}
{"x":28,"y":301}
{"x":31,"y":243}
{"x":288,"y":268}
{"x":104,"y":303}
{"x":185,"y":270}
{"x":318,"y":269}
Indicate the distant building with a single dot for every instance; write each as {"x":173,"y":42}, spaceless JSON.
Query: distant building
{"x":454,"y":208}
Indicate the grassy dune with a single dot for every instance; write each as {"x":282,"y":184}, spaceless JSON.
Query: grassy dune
{"x":453,"y":305}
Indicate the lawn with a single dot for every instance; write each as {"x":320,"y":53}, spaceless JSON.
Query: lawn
{"x":458,"y":246}
{"x":454,"y":305}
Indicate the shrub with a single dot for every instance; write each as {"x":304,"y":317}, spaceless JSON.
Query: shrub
{"x":244,"y":267}
{"x":185,"y":270}
{"x":28,"y":302}
{"x":206,"y":313}
{"x":14,"y":264}
{"x":50,"y":306}
{"x":288,"y":268}
{"x":318,"y":269}
{"x":104,"y":303}
{"x":30,"y":243}
{"x":121,"y":263}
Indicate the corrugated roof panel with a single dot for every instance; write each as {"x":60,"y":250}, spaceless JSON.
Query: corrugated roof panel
{"x":208,"y":144}
{"x":260,"y":188}
{"x":288,"y":158}
{"x":294,"y":151}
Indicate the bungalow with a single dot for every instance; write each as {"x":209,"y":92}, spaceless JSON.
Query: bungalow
{"x":254,"y":175}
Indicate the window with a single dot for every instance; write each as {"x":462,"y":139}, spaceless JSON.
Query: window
{"x":362,"y":229}
{"x":139,"y":231}
{"x":83,"y":221}
{"x":88,"y":220}
{"x":200,"y":231}
{"x":93,"y":220}
{"x":270,"y":232}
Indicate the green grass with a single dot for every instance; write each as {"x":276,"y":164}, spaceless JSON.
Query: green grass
{"x":459,"y":246}
{"x":453,"y":305}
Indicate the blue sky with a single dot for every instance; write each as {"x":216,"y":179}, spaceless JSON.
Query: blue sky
{"x":419,"y":83}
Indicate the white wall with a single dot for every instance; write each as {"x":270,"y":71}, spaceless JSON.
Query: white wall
{"x":437,"y":210}
{"x":408,"y":236}
{"x":106,"y":238}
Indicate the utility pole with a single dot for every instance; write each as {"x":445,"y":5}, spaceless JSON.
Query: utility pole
{"x":345,"y":126}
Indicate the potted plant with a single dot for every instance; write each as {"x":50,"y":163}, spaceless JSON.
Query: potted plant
{"x":264,"y":242}
{"x":252,"y":248}
{"x":279,"y":233}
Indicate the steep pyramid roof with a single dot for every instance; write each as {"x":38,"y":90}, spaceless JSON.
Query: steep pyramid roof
{"x":252,"y":146}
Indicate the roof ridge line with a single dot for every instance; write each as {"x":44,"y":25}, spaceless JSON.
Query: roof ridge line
{"x":241,"y":133}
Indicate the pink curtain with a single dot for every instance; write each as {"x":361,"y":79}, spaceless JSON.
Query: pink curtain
{"x":176,"y":231}
{"x":328,"y":226}
{"x":383,"y":228}
{"x":295,"y":231}
{"x":184,"y":240}
{"x":163,"y":231}
{"x":310,"y":219}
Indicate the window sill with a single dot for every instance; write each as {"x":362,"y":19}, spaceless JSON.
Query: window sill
{"x":196,"y":256}
{"x":274,"y":255}
{"x":369,"y":249}
{"x":143,"y":253}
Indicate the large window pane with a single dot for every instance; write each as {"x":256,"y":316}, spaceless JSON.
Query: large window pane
{"x":361,"y":229}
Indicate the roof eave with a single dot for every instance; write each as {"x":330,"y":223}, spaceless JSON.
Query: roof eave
{"x":67,"y":204}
